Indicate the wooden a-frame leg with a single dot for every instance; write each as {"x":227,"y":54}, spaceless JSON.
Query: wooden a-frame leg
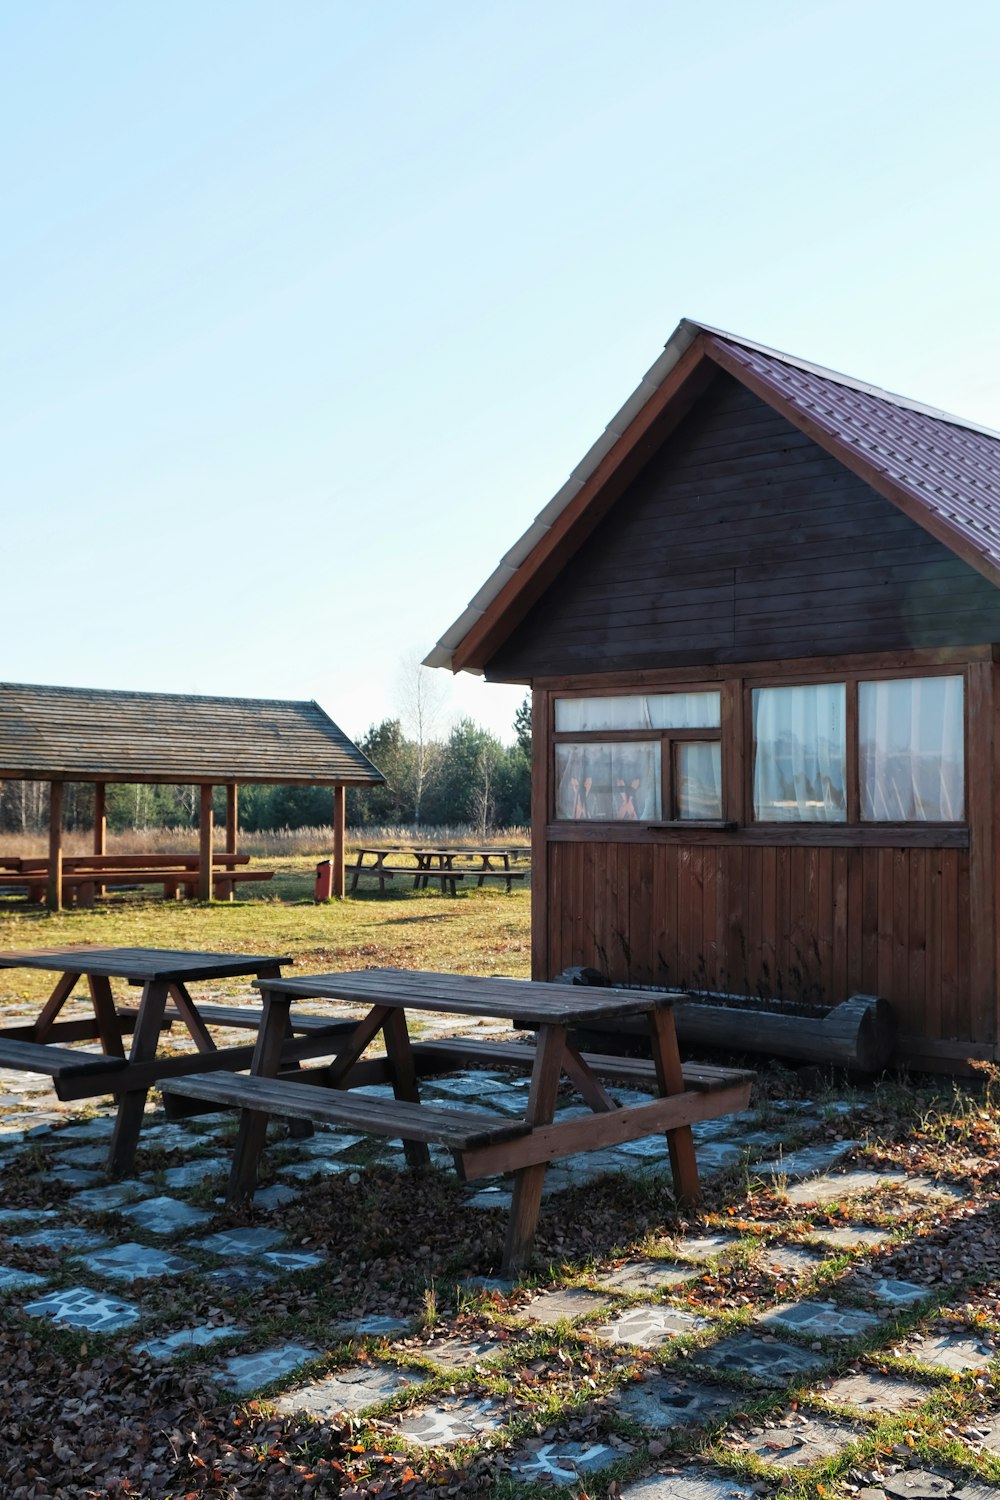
{"x":65,"y":986}
{"x":108,"y":1028}
{"x":528,"y":1181}
{"x":404,"y":1078}
{"x":680,"y":1143}
{"x":252,"y":1133}
{"x":132,"y":1102}
{"x":192,"y":1020}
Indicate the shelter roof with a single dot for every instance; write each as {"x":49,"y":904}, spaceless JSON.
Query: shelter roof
{"x":91,"y":734}
{"x":939,"y":469}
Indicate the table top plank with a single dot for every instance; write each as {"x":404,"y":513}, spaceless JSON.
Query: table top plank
{"x":524,"y":1001}
{"x":141,"y":964}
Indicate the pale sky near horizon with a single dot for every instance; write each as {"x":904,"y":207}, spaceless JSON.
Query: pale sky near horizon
{"x":309,"y":309}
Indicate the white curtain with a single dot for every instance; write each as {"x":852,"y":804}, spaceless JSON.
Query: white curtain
{"x":608,"y":782}
{"x":699,"y":779}
{"x":639,"y":711}
{"x":912,"y":750}
{"x":800,"y":741}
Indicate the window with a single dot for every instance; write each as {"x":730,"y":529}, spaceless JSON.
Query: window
{"x":857,"y":751}
{"x":911,"y":751}
{"x":800,"y":752}
{"x":639,"y":758}
{"x":654,"y":711}
{"x":608,"y":782}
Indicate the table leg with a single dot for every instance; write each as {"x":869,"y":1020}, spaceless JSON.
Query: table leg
{"x":133,"y":1101}
{"x":404,"y":1078}
{"x":53,"y":1005}
{"x":108,"y":1028}
{"x":297,"y":1128}
{"x":666,"y":1056}
{"x":528,"y":1181}
{"x":252,"y":1133}
{"x":189,"y":1015}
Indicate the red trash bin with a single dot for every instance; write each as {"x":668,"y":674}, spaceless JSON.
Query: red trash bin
{"x":324,"y":880}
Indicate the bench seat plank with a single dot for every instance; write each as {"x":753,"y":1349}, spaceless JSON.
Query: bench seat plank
{"x":247,"y":1018}
{"x":459,"y":1130}
{"x":57,"y":1062}
{"x":452,"y":1051}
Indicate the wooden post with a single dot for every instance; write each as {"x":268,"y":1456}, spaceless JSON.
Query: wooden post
{"x":205,"y":830}
{"x":100,"y":825}
{"x":232,"y":817}
{"x":339,"y":804}
{"x":100,"y":818}
{"x":55,"y":845}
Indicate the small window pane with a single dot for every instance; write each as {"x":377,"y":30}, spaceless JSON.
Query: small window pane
{"x":617,"y":782}
{"x":912,"y":752}
{"x":699,"y":779}
{"x":800,"y":740}
{"x":639,"y":711}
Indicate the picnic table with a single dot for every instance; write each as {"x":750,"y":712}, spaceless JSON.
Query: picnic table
{"x":447,"y":865}
{"x":482,"y":1144}
{"x":41,"y":1046}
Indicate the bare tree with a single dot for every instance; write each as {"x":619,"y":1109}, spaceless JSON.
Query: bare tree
{"x":420,"y":695}
{"x":482,"y":803}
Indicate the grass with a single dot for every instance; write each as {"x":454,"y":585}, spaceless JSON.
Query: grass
{"x":482,"y":931}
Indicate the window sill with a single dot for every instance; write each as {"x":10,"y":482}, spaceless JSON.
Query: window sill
{"x":682,"y":823}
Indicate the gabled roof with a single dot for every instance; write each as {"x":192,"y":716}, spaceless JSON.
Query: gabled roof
{"x":88,"y":734}
{"x":941,"y":471}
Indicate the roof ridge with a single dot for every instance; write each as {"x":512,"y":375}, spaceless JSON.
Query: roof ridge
{"x":50,"y":687}
{"x":866,"y":387}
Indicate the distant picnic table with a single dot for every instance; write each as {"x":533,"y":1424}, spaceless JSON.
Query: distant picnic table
{"x":446,"y":865}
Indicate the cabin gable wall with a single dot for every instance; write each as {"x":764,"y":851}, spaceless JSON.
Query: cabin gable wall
{"x":743,"y":540}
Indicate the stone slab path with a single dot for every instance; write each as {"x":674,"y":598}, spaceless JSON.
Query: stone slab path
{"x":696,"y":1395}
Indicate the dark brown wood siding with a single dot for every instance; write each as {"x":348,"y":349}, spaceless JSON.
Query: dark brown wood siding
{"x":815,"y":924}
{"x":743,"y":540}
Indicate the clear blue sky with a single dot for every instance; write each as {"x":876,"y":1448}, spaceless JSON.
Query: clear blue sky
{"x":309,"y":308}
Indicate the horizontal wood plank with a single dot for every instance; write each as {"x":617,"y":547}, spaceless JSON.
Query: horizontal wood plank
{"x":456,"y":1129}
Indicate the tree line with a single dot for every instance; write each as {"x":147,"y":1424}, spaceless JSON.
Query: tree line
{"x":469,"y":777}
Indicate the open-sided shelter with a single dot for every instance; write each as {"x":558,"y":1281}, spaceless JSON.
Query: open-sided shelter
{"x":760,"y":623}
{"x":61,"y":735}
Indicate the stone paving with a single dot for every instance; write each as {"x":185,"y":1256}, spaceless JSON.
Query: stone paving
{"x":796,"y":1441}
{"x":166,"y":1228}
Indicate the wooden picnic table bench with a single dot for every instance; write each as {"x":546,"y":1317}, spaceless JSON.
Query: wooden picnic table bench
{"x":163,"y":975}
{"x":439,"y":864}
{"x":482,"y":1144}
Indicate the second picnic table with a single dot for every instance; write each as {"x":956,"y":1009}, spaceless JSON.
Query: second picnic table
{"x":482,"y":1144}
{"x":41,"y":1046}
{"x":494,"y":862}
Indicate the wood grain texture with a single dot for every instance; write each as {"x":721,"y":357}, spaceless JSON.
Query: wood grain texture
{"x":810,"y":924}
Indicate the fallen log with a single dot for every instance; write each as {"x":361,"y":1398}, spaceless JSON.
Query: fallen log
{"x":860,"y":1033}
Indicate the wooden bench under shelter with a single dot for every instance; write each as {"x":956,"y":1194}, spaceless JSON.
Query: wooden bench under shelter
{"x":99,"y":737}
{"x":482,"y":1144}
{"x":86,"y":876}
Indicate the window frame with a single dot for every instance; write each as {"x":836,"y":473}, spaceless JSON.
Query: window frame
{"x":735,"y":734}
{"x":852,"y":756}
{"x":667,"y":739}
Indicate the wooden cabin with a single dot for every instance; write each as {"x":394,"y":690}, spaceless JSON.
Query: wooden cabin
{"x":760,"y":624}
